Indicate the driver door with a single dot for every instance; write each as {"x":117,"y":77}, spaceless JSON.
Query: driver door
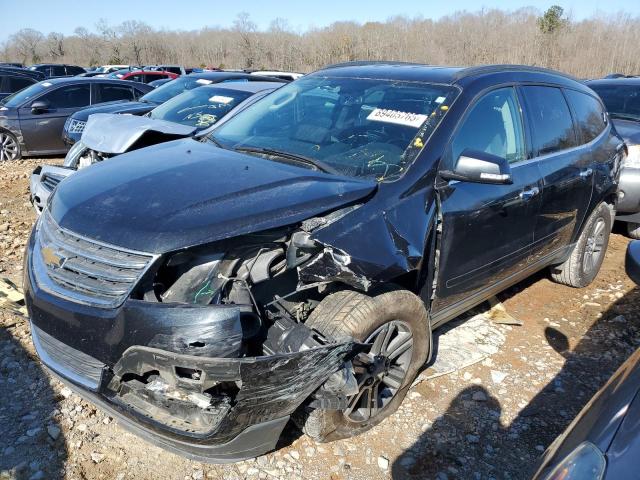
{"x":487,"y":229}
{"x":42,"y":130}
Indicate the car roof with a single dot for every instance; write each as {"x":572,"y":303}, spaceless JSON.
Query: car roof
{"x":632,"y":81}
{"x":54,"y":65}
{"x":462,"y":76}
{"x":219,"y":76}
{"x":251,"y":87}
{"x":146,"y":72}
{"x":62,"y":80}
{"x":6,"y":70}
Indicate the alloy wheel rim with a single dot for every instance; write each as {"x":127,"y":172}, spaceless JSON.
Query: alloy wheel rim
{"x":381,"y":371}
{"x":594,"y":247}
{"x":8,"y":147}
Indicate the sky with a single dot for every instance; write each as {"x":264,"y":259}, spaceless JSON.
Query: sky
{"x":65,"y":15}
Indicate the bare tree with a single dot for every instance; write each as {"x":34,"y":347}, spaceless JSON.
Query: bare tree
{"x":246,"y":31}
{"x":586,"y":48}
{"x":55,"y":45}
{"x":27,"y":44}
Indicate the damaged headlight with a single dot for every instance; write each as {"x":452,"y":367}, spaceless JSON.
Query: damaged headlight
{"x":73,"y":155}
{"x":197,"y":278}
{"x":205,"y":275}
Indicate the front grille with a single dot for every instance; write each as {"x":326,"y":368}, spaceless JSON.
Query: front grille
{"x":50,"y":181}
{"x":84,"y":270}
{"x":76,"y":126}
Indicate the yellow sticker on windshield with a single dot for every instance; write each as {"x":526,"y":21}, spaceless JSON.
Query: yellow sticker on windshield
{"x":399,"y":118}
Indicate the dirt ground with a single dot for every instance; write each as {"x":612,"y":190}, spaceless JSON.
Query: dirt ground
{"x":490,"y":420}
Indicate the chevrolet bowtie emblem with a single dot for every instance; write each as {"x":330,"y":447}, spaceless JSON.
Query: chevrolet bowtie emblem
{"x":52,"y":258}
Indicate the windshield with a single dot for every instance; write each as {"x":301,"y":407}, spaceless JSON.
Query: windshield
{"x":357,"y":127}
{"x":24,"y":95}
{"x":173,"y":88}
{"x":200,"y":107}
{"x":620,"y":100}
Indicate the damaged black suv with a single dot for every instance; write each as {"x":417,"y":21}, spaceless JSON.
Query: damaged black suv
{"x":294,"y":262}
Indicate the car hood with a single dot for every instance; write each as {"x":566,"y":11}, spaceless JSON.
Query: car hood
{"x":184,"y":193}
{"x":629,"y":130}
{"x":115,"y":133}
{"x":134,"y":108}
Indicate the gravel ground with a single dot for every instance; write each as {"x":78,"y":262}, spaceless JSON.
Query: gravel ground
{"x":491,"y":419}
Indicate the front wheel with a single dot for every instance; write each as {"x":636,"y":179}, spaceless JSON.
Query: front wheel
{"x":396,"y":325}
{"x":9,"y":147}
{"x":587,"y":255}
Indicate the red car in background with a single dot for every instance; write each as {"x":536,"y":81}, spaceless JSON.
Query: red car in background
{"x":146,"y":76}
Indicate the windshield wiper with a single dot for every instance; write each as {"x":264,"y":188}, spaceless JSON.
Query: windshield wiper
{"x":211,"y":138}
{"x":318,"y":164}
{"x":624,"y":116}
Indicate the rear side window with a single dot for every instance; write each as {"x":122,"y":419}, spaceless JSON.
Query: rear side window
{"x":137,"y":78}
{"x":15,"y":84}
{"x":73,"y":70}
{"x":551,"y":123}
{"x":589,"y":114}
{"x":493,"y":126}
{"x":58,"y":71}
{"x":110,"y":93}
{"x":68,"y":97}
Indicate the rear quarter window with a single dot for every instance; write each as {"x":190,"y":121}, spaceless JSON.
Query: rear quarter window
{"x":550,"y":118}
{"x":590,"y":115}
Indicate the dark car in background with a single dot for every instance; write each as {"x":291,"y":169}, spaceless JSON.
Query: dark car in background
{"x":31,"y":120}
{"x":147,"y":76}
{"x":203,"y":291}
{"x":75,"y":126}
{"x":15,"y":79}
{"x":56,"y":70}
{"x":603,"y":441}
{"x":109,"y":135}
{"x":177,"y":69}
{"x":621,"y":96}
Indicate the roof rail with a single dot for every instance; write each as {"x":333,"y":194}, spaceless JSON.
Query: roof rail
{"x":482,"y":69}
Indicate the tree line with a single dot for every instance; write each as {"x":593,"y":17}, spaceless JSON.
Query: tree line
{"x":588,"y":48}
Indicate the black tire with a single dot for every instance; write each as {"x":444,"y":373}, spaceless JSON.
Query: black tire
{"x":9,"y":147}
{"x":633,"y":230}
{"x":352,"y":314}
{"x":587,"y":255}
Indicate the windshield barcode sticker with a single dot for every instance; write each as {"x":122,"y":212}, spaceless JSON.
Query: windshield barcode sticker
{"x":414,"y":120}
{"x":203,"y":81}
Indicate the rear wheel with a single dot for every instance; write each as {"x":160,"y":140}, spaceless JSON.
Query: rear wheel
{"x":9,"y":147}
{"x":395,"y":323}
{"x":587,"y":255}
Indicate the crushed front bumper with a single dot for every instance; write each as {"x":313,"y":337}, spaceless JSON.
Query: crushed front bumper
{"x":43,"y":181}
{"x":135,"y":362}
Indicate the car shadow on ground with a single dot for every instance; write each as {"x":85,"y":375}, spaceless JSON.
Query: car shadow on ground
{"x":469,"y":441}
{"x":32,"y":445}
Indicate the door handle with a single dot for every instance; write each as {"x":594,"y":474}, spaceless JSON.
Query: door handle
{"x":586,"y":173}
{"x":529,"y":193}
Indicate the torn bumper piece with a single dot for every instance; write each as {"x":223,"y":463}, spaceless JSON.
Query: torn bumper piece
{"x":234,"y":424}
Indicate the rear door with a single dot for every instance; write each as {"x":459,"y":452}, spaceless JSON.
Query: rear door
{"x":42,"y":131}
{"x":566,"y":168}
{"x":487,"y":229}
